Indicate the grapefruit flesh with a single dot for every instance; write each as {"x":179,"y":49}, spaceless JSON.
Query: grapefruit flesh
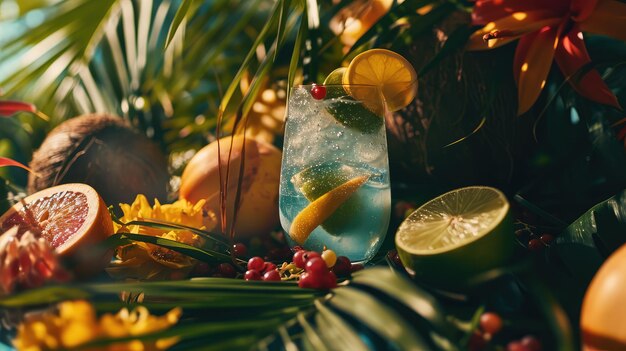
{"x":72,"y":218}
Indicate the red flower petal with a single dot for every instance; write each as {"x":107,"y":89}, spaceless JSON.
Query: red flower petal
{"x":9,"y":162}
{"x":608,"y":18}
{"x":571,"y":55}
{"x":486,"y":11}
{"x":533,"y":59}
{"x":582,"y":9}
{"x":515,"y":25}
{"x":9,"y":108}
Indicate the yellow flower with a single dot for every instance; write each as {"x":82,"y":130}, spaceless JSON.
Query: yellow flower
{"x":75,"y":323}
{"x":147,"y":261}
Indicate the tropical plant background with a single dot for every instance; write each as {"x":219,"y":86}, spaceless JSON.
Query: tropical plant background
{"x":176,"y":68}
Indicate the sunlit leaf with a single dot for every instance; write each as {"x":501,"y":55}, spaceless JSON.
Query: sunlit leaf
{"x":178,"y":20}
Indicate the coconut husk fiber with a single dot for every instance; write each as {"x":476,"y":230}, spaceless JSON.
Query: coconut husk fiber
{"x":453,"y":98}
{"x":103,"y":151}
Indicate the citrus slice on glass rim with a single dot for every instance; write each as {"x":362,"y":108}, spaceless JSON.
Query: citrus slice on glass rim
{"x":392,"y":73}
{"x":72,"y":218}
{"x":457,"y":236}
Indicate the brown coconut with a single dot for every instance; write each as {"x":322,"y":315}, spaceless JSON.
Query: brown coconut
{"x":451,"y":101}
{"x":105,"y":152}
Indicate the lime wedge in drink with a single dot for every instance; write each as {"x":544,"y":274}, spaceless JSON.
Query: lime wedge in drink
{"x":345,"y":109}
{"x":322,"y":208}
{"x":456,"y":236}
{"x":318,"y":180}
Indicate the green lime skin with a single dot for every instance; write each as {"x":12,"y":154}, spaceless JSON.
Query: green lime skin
{"x":316,"y":181}
{"x":345,"y":109}
{"x":454,"y":270}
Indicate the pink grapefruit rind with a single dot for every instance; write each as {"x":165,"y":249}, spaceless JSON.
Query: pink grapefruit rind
{"x":80,"y":247}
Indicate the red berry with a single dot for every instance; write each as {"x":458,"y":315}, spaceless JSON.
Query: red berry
{"x":490,"y":323}
{"x":298,"y":248}
{"x":330,"y":280}
{"x":252,"y":275}
{"x":298,"y":259}
{"x":227,"y":270}
{"x":307,"y":281}
{"x":256,"y":263}
{"x":272,"y":275}
{"x":342,"y":267}
{"x":240,"y":250}
{"x":535,"y":245}
{"x":316,"y":265}
{"x":269,"y":266}
{"x":531,"y":343}
{"x":476,"y":342}
{"x":516,"y":346}
{"x":547,"y":239}
{"x":318,"y":92}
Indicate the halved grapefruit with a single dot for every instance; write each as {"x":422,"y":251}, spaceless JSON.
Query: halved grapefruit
{"x":72,"y":218}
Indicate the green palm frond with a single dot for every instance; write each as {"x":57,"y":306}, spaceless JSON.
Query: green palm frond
{"x":377,"y":309}
{"x":116,"y":56}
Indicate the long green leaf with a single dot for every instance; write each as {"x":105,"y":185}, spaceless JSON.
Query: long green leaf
{"x":339,"y":334}
{"x":261,"y":37}
{"x":204,"y":255}
{"x":585,"y":244}
{"x":381,"y":320}
{"x":178,"y":19}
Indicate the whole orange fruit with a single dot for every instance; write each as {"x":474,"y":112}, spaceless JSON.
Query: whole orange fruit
{"x":603,"y":314}
{"x":258,"y":212}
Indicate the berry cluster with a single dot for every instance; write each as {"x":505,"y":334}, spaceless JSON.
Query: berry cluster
{"x":527,"y":343}
{"x":258,"y":269}
{"x":317,"y":269}
{"x":536,"y":242}
{"x":491,"y":324}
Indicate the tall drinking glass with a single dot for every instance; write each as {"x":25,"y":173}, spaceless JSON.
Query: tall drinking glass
{"x":334,"y":187}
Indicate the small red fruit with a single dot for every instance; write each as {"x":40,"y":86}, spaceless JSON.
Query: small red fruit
{"x":226,"y":270}
{"x":240,"y":250}
{"x":516,"y":346}
{"x":476,"y":342}
{"x":490,"y":323}
{"x":316,"y":265}
{"x":342,"y":267}
{"x":531,"y":343}
{"x":318,"y":92}
{"x":272,"y":275}
{"x":269,"y":266}
{"x":252,"y":275}
{"x":547,"y":239}
{"x":256,"y":263}
{"x":535,"y":245}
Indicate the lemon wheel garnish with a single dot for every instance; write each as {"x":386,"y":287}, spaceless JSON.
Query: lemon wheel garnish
{"x":392,"y":73}
{"x":457,"y":235}
{"x":323,"y":207}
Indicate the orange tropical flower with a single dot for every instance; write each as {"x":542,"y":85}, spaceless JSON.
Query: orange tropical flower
{"x":549,"y":30}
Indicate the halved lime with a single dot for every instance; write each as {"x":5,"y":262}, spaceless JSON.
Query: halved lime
{"x":318,"y":180}
{"x":345,"y":109}
{"x":456,"y":236}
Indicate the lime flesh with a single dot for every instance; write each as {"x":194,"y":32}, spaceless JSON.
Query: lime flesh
{"x":457,"y":235}
{"x":345,"y":109}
